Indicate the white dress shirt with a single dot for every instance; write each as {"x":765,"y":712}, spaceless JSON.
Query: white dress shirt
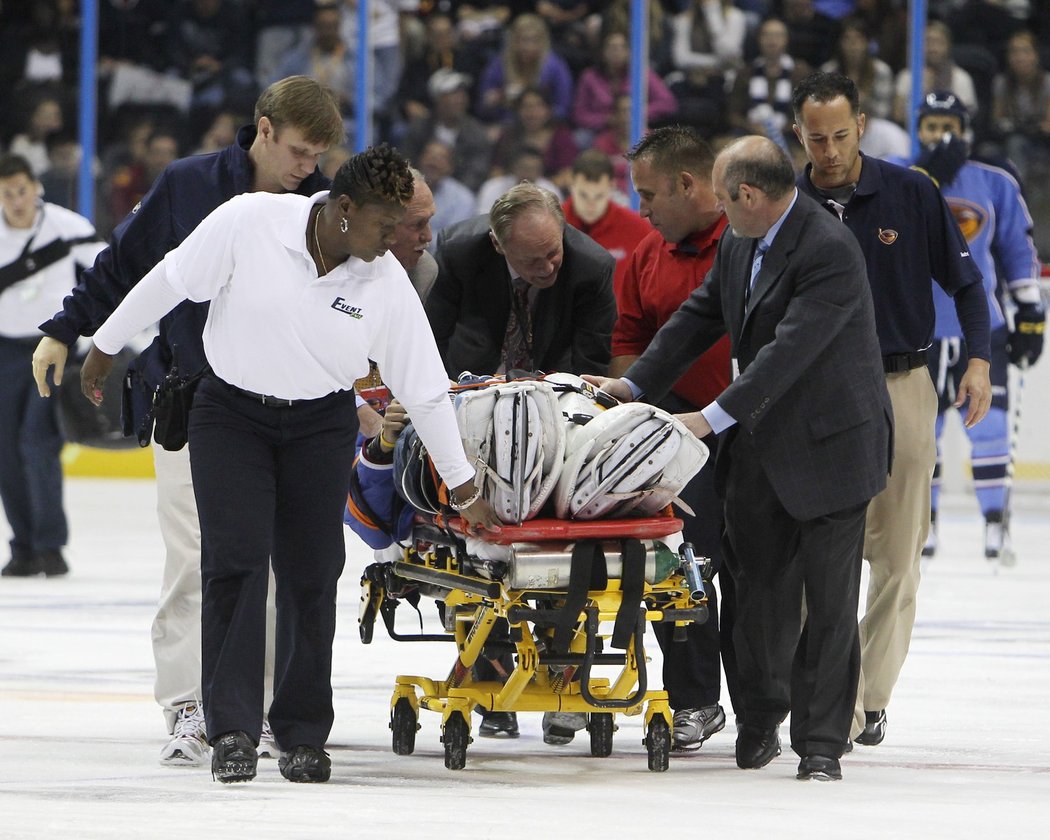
{"x":274,"y":327}
{"x":29,"y":302}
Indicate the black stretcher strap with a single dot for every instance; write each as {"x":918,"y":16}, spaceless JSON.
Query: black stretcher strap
{"x":632,"y":587}
{"x":584,"y":575}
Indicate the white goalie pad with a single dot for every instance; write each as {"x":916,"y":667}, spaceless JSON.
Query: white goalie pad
{"x":513,"y":432}
{"x":632,"y":458}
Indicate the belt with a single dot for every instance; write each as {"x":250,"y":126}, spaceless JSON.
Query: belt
{"x":265,"y":399}
{"x":902,"y":362}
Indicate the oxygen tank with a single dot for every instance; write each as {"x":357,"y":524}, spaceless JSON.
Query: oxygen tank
{"x":547,"y":566}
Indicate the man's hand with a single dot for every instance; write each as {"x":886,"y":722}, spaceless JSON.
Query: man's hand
{"x":977,"y":387}
{"x":394,"y":421}
{"x":93,"y":374}
{"x":50,"y":352}
{"x":695,"y":422}
{"x":1026,"y":341}
{"x":613,"y":387}
{"x":369,"y":421}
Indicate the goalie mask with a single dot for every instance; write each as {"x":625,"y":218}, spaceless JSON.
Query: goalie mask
{"x":415,"y":479}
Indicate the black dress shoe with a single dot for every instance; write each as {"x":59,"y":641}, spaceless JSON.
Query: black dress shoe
{"x":823,"y":768}
{"x":233,"y":758}
{"x":23,"y":564}
{"x":874,"y":729}
{"x":756,"y":746}
{"x":305,"y":764}
{"x":53,"y":563}
{"x":498,"y":725}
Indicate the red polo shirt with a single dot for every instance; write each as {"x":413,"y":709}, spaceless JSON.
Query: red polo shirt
{"x":619,"y":231}
{"x":660,"y":276}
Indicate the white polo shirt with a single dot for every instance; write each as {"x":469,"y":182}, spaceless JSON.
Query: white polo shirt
{"x":29,"y":302}
{"x":274,"y":327}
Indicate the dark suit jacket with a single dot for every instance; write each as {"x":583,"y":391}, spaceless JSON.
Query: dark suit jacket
{"x":471,"y":301}
{"x":811,"y":390}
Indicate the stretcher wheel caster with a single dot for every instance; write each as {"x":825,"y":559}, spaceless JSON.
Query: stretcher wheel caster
{"x":601,"y":728}
{"x":456,"y":738}
{"x":658,"y":744}
{"x":404,"y":723}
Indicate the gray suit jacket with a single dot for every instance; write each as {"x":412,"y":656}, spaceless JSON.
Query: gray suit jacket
{"x":470,"y":304}
{"x":811,"y":389}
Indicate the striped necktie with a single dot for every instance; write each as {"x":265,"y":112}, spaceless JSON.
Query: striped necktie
{"x":756,"y":266}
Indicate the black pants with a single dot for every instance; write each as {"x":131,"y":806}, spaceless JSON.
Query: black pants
{"x":271,"y":485}
{"x":812,"y":671}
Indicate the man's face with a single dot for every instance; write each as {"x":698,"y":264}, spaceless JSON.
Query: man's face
{"x":436,"y":162}
{"x":735,"y":209}
{"x":372,"y":229}
{"x":533,"y":248}
{"x":286,"y":158}
{"x":161,"y":151}
{"x":830,"y":134}
{"x":590,"y":199}
{"x":676,"y":205}
{"x":933,"y":127}
{"x":18,"y":195}
{"x":772,"y":39}
{"x":413,"y":232}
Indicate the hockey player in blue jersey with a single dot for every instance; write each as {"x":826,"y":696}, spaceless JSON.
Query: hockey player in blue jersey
{"x":987,"y":202}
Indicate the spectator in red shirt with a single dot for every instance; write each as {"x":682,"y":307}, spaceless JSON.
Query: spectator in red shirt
{"x":590,"y":208}
{"x":671,"y":171}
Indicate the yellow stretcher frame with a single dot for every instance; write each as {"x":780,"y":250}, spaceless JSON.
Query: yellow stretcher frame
{"x":474,"y":604}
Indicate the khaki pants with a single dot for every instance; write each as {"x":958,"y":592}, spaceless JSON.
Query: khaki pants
{"x":176,"y":628}
{"x":897,"y":523}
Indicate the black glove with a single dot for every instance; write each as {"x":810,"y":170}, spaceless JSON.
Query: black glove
{"x":1026,"y":341}
{"x":943,"y":160}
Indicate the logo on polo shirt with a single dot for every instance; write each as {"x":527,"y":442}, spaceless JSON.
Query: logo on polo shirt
{"x":887,"y":237}
{"x":340,"y":305}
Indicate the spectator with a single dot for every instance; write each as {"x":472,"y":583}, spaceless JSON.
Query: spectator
{"x":616,"y":140}
{"x":709,"y":35}
{"x":761,"y":99}
{"x":527,"y":61}
{"x":206,"y":44}
{"x":567,"y":22}
{"x":480,"y":25}
{"x":872,"y":76}
{"x":527,"y":165}
{"x":599,"y":86}
{"x":280,"y":27}
{"x":889,"y":26}
{"x":454,"y":200}
{"x":941,"y":73}
{"x":616,"y":17}
{"x":1021,"y":104}
{"x":60,"y":179}
{"x":450,"y":123}
{"x":590,"y":208}
{"x":44,"y":120}
{"x":130,"y":183}
{"x":535,"y":125}
{"x":221,"y":133}
{"x":811,"y":35}
{"x":441,"y":51}
{"x":325,"y":56}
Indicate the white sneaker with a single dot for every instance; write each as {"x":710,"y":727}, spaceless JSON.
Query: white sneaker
{"x":694,"y":726}
{"x":559,"y":728}
{"x":188,"y":746}
{"x":267,"y":745}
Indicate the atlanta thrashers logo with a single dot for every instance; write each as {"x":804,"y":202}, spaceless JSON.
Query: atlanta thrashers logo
{"x":887,"y":237}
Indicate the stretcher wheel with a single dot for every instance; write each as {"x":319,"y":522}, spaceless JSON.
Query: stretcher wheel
{"x":404,"y":724}
{"x":456,"y":738}
{"x":658,"y":744}
{"x":601,"y":729}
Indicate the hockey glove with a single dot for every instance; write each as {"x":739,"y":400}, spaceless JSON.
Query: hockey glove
{"x":943,"y":160}
{"x":1026,"y":341}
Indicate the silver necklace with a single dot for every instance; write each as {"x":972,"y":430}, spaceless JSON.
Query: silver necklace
{"x":317,"y":243}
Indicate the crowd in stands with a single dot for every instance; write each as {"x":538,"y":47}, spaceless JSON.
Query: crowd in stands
{"x":480,"y":94}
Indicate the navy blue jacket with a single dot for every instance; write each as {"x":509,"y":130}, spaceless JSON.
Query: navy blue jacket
{"x":186,"y":191}
{"x":908,"y":236}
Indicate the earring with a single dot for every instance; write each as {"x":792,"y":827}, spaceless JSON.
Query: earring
{"x":344,"y":225}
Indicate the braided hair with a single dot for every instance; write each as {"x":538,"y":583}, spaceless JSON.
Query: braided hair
{"x":378,"y":175}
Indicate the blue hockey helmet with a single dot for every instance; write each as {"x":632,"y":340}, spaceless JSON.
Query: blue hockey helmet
{"x":945,"y":103}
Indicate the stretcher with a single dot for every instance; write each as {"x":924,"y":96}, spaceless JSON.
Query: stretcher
{"x":575,"y":595}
